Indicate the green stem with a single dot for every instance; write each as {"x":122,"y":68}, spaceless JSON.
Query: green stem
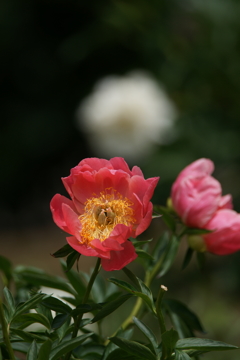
{"x":161,"y":321}
{"x":5,"y":333}
{"x":84,"y":300}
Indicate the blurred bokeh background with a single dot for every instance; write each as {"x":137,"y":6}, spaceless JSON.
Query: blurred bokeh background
{"x":69,"y":69}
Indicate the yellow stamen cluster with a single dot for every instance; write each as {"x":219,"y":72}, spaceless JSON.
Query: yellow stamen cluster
{"x":103,"y":213}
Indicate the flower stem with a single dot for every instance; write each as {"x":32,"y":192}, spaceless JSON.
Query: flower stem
{"x":84,"y":300}
{"x":5,"y":333}
{"x":161,"y":321}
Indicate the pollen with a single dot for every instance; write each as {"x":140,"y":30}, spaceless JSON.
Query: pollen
{"x":103,"y":213}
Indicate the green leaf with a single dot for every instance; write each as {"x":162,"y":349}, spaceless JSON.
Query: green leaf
{"x":10,"y":302}
{"x":64,"y":251}
{"x":137,"y":243}
{"x":27,"y":336}
{"x":67,"y":346}
{"x":124,"y":285}
{"x":147,"y":332}
{"x":20,"y":346}
{"x":31,"y":318}
{"x":110,"y":307}
{"x":169,"y":339}
{"x":32,"y":352}
{"x":59,"y":320}
{"x":167,"y":217}
{"x":44,"y":350}
{"x":57,"y":305}
{"x":187,"y":258}
{"x":89,"y":351}
{"x":146,"y":294}
{"x":45,"y":312}
{"x":6,"y":268}
{"x":196,"y":231}
{"x":170,"y":255}
{"x":64,"y":329}
{"x":126,"y":334}
{"x":190,"y":319}
{"x":144,"y":255}
{"x":29,"y":304}
{"x":74,"y":256}
{"x":119,"y":354}
{"x":74,"y":280}
{"x":204,"y":345}
{"x":132,"y":277}
{"x":38,"y":277}
{"x":180,"y":355}
{"x":134,"y":348}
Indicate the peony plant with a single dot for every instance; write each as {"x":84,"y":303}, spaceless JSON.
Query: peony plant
{"x":108,"y":207}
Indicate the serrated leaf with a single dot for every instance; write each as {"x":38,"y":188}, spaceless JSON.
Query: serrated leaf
{"x":38,"y":277}
{"x":134,"y":348}
{"x":169,"y":339}
{"x":64,"y":251}
{"x":67,"y":346}
{"x":204,"y":345}
{"x":29,"y":304}
{"x":147,"y":332}
{"x":32,"y":351}
{"x":74,"y":256}
{"x":169,"y":256}
{"x":59,"y":320}
{"x":57,"y":305}
{"x":32,"y":318}
{"x":110,"y":307}
{"x":44,"y":350}
{"x":10,"y":302}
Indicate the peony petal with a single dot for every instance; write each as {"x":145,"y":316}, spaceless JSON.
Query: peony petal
{"x":56,"y":206}
{"x":225,"y":202}
{"x":72,"y":220}
{"x":119,"y":259}
{"x":85,"y":249}
{"x":95,"y":164}
{"x":146,"y":221}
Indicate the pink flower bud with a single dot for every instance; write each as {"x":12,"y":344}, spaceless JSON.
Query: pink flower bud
{"x":196,"y":195}
{"x":225,"y":239}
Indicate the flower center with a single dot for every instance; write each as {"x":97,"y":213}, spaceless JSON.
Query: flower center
{"x":103,"y":213}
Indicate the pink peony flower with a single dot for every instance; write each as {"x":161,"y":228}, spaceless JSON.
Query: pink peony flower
{"x":109,"y":203}
{"x":225,"y":239}
{"x":196,"y":195}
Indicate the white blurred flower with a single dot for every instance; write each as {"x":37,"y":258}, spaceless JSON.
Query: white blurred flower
{"x":126,"y":116}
